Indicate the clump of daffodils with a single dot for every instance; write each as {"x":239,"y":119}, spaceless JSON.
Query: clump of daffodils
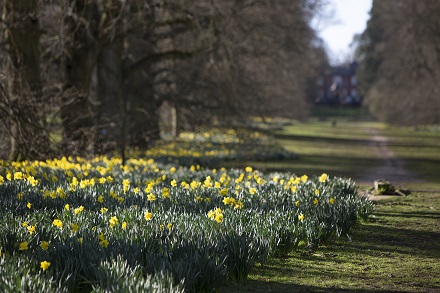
{"x":216,"y":215}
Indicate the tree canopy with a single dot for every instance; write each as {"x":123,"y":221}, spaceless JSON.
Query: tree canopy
{"x":85,"y":77}
{"x":399,"y":71}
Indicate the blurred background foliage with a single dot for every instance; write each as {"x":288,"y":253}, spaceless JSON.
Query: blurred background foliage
{"x":81,"y":77}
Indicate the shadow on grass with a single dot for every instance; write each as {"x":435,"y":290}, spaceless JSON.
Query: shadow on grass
{"x":326,"y":139}
{"x":349,"y":167}
{"x":430,"y":215}
{"x":252,"y":286}
{"x":381,"y":258}
{"x":375,"y":240}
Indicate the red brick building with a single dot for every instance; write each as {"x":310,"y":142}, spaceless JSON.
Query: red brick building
{"x":338,"y":85}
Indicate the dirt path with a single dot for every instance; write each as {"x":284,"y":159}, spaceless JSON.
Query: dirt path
{"x":392,"y":168}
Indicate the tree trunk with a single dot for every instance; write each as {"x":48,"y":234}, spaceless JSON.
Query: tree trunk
{"x":76,"y":109}
{"x":110,"y":107}
{"x":29,"y":139}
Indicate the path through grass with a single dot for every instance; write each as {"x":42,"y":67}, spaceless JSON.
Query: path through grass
{"x":398,"y":250}
{"x":349,"y":149}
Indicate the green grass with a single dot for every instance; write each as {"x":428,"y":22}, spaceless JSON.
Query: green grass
{"x":340,"y":150}
{"x":396,"y":251}
{"x":419,"y":149}
{"x":343,"y":149}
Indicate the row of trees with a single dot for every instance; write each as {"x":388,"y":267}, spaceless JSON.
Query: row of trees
{"x":399,"y":72}
{"x":95,"y":75}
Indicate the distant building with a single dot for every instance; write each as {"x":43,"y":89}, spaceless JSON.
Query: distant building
{"x":338,"y":85}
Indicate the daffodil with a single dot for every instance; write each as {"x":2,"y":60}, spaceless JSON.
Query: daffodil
{"x":238,"y":205}
{"x":216,"y":215}
{"x":18,"y":175}
{"x":148,"y":216}
{"x":61,"y":192}
{"x":78,"y":210}
{"x":44,"y":245}
{"x":104,"y":243}
{"x":44,"y":265}
{"x":53,"y":194}
{"x":194,"y":184}
{"x":223,"y":191}
{"x":31,"y":180}
{"x":323,"y":177}
{"x":75,"y":227}
{"x":219,"y":218}
{"x":301,"y":217}
{"x":229,"y":201}
{"x":58,"y":223}
{"x":125,"y":185}
{"x":151,"y":197}
{"x":31,"y":229}
{"x":113,"y":221}
{"x":23,"y":246}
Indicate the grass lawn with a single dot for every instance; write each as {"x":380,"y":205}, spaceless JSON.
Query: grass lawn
{"x":421,"y":151}
{"x":398,"y":250}
{"x":323,"y":148}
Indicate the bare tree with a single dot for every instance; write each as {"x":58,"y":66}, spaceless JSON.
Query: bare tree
{"x":109,"y":66}
{"x":22,"y":97}
{"x":401,"y":61}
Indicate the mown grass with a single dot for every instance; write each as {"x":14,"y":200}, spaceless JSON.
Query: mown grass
{"x":398,"y":249}
{"x":342,"y":149}
{"x":420,"y":150}
{"x":338,"y":141}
